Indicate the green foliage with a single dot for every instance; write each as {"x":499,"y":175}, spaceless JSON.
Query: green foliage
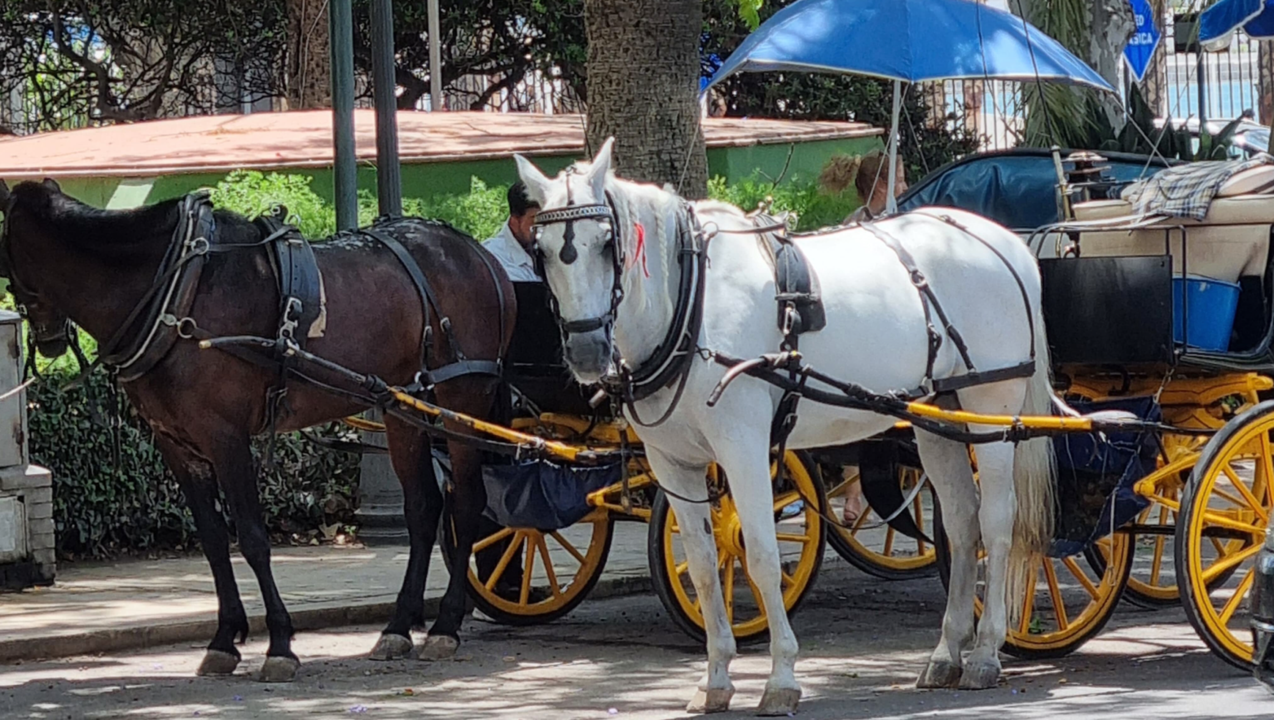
{"x":112,"y":491}
{"x":813,"y":208}
{"x":480,"y":212}
{"x":252,"y":193}
{"x":1139,"y":134}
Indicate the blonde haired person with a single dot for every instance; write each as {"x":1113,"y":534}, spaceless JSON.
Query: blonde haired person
{"x":869,"y":175}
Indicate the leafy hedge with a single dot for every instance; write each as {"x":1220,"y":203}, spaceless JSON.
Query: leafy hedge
{"x":112,"y":491}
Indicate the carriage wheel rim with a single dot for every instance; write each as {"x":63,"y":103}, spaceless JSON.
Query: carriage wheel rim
{"x":533,"y":547}
{"x":1103,"y":595}
{"x":1218,"y":621}
{"x":733,"y":567}
{"x":925,"y":556}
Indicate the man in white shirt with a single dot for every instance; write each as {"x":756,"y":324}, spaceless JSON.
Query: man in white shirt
{"x":511,"y":246}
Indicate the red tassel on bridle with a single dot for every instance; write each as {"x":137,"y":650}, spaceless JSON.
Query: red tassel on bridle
{"x":640,"y":251}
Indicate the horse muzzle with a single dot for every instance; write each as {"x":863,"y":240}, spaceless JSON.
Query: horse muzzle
{"x":588,"y":355}
{"x":52,"y":340}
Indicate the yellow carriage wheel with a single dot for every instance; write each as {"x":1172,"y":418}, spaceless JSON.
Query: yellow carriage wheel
{"x":1224,"y":510}
{"x":536,"y":576}
{"x":802,"y":541}
{"x":883,"y":551}
{"x":1069,"y":601}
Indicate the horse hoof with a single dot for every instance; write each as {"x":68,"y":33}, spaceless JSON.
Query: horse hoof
{"x":391,"y":647}
{"x":279,"y":669}
{"x":939,"y":674}
{"x":218,"y":662}
{"x":980,"y":676}
{"x":712,"y":700}
{"x":779,"y":701}
{"x":438,"y":647}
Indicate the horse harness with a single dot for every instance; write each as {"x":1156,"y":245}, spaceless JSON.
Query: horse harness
{"x":161,"y":317}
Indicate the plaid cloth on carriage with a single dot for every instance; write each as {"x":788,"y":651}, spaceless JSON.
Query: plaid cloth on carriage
{"x":1186,"y":190}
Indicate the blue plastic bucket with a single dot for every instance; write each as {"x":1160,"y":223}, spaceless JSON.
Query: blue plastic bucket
{"x":1211,"y":304}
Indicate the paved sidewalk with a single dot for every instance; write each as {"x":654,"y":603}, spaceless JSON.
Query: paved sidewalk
{"x":99,"y":607}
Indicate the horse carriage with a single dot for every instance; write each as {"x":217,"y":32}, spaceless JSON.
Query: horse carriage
{"x":1163,"y":517}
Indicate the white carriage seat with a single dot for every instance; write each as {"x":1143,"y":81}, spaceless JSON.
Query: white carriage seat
{"x":1232,"y":241}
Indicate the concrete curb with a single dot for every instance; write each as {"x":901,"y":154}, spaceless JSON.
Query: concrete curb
{"x":318,"y":618}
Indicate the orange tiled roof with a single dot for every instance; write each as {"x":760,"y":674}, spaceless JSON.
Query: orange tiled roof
{"x":218,"y":143}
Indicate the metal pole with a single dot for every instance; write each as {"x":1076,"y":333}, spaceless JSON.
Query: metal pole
{"x":1203,"y":94}
{"x":345,"y":172}
{"x":435,"y":59}
{"x":891,"y":205}
{"x":380,"y":507}
{"x":389,"y":184}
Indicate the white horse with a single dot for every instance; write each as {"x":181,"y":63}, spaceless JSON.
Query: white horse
{"x":875,"y":336}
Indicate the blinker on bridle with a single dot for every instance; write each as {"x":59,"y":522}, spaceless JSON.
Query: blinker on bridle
{"x":569,"y":215}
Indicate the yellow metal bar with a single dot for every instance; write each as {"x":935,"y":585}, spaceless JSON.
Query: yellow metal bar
{"x":560,"y":449}
{"x":359,"y":423}
{"x":1030,"y":421}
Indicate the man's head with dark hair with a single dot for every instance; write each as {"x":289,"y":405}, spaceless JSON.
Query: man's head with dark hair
{"x":522,"y":213}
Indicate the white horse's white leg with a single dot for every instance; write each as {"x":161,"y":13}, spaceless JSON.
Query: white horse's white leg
{"x":996,"y":514}
{"x":997,"y":511}
{"x":947,"y":465}
{"x":694,"y":521}
{"x":745,"y":459}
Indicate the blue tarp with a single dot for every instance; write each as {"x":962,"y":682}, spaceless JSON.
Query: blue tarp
{"x":908,"y":40}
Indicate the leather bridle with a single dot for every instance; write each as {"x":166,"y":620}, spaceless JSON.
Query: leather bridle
{"x":604,"y":214}
{"x":25,"y":299}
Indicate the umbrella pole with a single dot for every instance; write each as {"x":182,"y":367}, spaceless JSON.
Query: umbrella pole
{"x":891,"y":204}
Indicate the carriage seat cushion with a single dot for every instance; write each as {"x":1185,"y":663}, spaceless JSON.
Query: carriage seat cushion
{"x":1231,"y":242}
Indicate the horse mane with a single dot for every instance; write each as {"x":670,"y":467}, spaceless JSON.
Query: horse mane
{"x":94,"y":229}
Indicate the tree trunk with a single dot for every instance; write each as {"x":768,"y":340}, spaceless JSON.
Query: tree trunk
{"x":309,"y":78}
{"x":643,"y":87}
{"x":1113,"y":23}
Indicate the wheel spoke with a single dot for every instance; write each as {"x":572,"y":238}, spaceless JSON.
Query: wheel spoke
{"x":490,"y":540}
{"x":786,"y":499}
{"x":681,"y":568}
{"x":1214,"y":518}
{"x":889,"y":542}
{"x":729,"y":591}
{"x":1251,"y":501}
{"x":1237,"y":598}
{"x":788,"y":580}
{"x":548,"y":565}
{"x":1229,"y":561}
{"x":1267,"y":459}
{"x":1158,"y":558}
{"x":1081,"y":577}
{"x":527,"y":568}
{"x":794,"y":538}
{"x":1024,"y":626}
{"x":1055,"y":592}
{"x":567,"y":546}
{"x":505,"y":559}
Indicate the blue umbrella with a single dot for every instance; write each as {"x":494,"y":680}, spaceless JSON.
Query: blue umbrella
{"x":1218,"y":22}
{"x":907,"y":41}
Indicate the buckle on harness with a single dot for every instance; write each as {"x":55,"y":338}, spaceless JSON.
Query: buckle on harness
{"x":287,"y":327}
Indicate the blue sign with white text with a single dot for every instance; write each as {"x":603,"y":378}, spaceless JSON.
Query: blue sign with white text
{"x":1141,"y":46}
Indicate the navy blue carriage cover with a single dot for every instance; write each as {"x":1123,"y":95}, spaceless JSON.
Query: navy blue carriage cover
{"x":1096,"y":474}
{"x":543,"y":494}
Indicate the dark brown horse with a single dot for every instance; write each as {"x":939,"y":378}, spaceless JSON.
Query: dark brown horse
{"x":66,"y":260}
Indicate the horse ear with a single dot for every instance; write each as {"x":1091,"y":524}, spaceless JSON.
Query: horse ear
{"x":600,"y":167}
{"x":536,"y":182}
{"x":52,"y":185}
{"x":4,"y":192}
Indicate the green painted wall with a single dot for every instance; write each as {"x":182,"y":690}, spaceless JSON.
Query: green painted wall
{"x":421,"y":180}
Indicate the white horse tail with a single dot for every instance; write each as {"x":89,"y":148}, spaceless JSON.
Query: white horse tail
{"x":1034,"y":469}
